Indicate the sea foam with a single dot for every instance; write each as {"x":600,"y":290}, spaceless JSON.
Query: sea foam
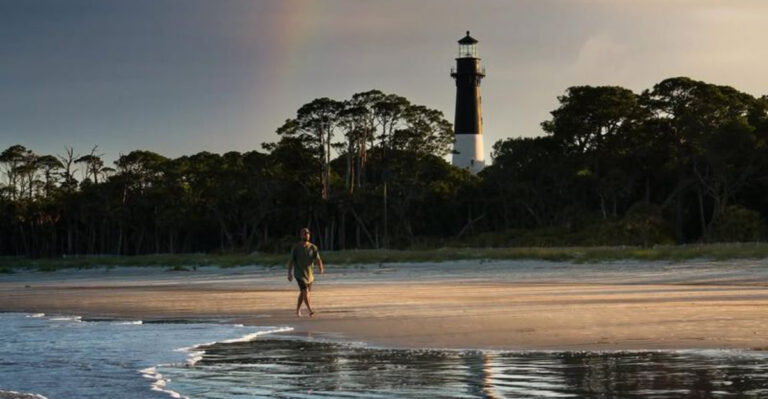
{"x":195,"y":355}
{"x":19,"y":395}
{"x":160,"y":382}
{"x":68,"y":318}
{"x":126,"y":323}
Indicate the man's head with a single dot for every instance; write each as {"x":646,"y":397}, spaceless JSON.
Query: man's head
{"x":305,"y":234}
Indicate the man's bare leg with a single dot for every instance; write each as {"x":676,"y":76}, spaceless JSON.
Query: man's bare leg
{"x":306,"y":301}
{"x":298,"y":304}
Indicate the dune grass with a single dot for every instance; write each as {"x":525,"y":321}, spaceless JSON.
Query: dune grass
{"x":676,"y":253}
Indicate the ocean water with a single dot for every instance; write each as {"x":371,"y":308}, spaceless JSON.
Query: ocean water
{"x":69,"y":358}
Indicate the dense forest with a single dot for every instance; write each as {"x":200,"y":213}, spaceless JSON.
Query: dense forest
{"x":684,"y":161}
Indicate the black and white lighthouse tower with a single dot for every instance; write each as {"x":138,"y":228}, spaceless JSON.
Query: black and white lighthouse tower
{"x":468,"y":123}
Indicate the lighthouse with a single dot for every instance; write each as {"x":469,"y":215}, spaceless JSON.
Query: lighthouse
{"x":468,"y":123}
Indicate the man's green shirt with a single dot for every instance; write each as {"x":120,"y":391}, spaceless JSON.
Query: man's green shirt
{"x":303,"y":258}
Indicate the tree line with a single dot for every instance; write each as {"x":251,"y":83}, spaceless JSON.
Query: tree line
{"x":684,"y":161}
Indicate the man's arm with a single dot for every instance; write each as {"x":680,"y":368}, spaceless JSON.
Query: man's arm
{"x":290,"y":270}
{"x":319,"y":264}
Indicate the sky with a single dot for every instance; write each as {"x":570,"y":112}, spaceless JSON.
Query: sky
{"x":182,"y":76}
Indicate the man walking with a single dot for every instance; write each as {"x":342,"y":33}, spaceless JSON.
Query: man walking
{"x":304,"y":255}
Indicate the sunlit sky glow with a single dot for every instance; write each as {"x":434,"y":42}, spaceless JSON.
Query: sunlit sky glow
{"x":178,"y":77}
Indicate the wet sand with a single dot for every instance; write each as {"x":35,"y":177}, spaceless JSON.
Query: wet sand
{"x":515,"y":305}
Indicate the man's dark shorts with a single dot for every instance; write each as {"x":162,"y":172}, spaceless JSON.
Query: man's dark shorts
{"x":304,"y":286}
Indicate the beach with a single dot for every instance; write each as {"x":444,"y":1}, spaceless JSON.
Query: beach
{"x":505,"y":305}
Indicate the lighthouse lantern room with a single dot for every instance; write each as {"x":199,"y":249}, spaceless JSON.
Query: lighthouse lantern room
{"x":467,"y":47}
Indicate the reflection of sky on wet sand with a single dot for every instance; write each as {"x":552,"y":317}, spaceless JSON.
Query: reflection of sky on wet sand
{"x":488,"y":371}
{"x":310,"y":369}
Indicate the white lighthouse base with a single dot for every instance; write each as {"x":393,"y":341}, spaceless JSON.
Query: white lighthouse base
{"x":470,"y":152}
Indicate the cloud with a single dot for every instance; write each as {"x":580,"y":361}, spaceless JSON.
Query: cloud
{"x":601,"y":54}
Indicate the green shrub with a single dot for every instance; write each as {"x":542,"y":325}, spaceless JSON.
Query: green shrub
{"x":644,"y":225}
{"x":737,"y":224}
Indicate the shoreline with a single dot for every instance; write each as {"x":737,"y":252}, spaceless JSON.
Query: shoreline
{"x":504,"y":305}
{"x":290,"y":334}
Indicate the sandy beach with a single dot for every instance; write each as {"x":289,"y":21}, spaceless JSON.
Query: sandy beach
{"x":514,"y":305}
